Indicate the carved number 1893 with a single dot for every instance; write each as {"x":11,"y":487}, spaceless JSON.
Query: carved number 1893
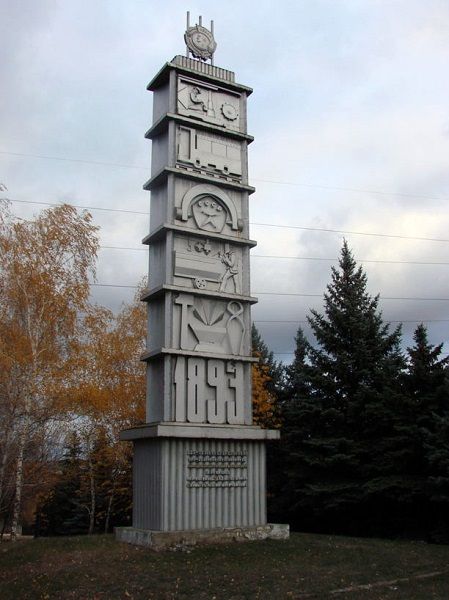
{"x":208,"y":391}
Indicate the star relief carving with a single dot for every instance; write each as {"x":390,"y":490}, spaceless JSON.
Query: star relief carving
{"x":209,"y":215}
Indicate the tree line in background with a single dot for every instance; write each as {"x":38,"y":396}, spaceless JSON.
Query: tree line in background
{"x":364,"y":446}
{"x":70,"y":380}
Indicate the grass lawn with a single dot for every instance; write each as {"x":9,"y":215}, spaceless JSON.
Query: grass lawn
{"x":306,"y":566}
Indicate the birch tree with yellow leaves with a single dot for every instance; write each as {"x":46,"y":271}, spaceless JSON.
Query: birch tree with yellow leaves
{"x":45,"y":267}
{"x":105,"y":394}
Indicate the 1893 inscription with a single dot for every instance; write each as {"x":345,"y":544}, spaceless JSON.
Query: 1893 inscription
{"x":208,"y":391}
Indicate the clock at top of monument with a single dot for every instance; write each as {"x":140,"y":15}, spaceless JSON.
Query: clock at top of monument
{"x":200,"y":41}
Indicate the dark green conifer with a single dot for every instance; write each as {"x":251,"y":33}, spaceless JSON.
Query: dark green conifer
{"x":344,"y":446}
{"x":60,"y":512}
{"x":266,"y":357}
{"x":428,"y":388}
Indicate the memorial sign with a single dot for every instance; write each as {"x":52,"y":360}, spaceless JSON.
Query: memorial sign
{"x":199,"y":462}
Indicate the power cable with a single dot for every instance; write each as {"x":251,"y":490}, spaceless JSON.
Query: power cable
{"x":270,"y":181}
{"x":75,"y":160}
{"x":125,"y":248}
{"x":119,"y":210}
{"x":321,"y":295}
{"x":114,"y":285}
{"x":284,"y":293}
{"x":360,"y":260}
{"x":276,"y":225}
{"x":386,"y":320}
{"x":291,"y":353}
{"x":347,"y":232}
{"x":346,"y":189}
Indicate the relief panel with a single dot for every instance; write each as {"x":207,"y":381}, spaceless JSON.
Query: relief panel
{"x":207,"y":265}
{"x":212,"y":468}
{"x":209,"y":325}
{"x":209,"y":103}
{"x":209,"y":209}
{"x":209,"y":153}
{"x":209,"y":390}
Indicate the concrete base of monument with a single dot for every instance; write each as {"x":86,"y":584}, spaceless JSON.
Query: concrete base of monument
{"x":163,"y":540}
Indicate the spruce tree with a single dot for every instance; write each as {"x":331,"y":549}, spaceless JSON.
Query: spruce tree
{"x":344,"y":447}
{"x":268,"y":374}
{"x":60,"y":513}
{"x":426,"y":369}
{"x":274,"y":369}
{"x":296,"y":382}
{"x":428,"y":388}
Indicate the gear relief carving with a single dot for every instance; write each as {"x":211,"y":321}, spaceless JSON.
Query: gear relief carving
{"x":208,"y":265}
{"x":208,"y":103}
{"x":210,"y":209}
{"x":205,"y":325}
{"x":208,"y":390}
{"x":209,"y":153}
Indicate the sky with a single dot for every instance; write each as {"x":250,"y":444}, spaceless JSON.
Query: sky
{"x":350,"y":114}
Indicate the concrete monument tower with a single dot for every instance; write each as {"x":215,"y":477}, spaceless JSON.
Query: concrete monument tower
{"x":199,"y":463}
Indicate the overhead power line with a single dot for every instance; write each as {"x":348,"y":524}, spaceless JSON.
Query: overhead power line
{"x":321,"y":295}
{"x":114,"y":285}
{"x":304,"y":321}
{"x":360,"y":260}
{"x":348,"y":232}
{"x":119,"y":210}
{"x":293,"y":352}
{"x":270,"y":181}
{"x":125,"y":248}
{"x":284,"y":293}
{"x":75,"y":160}
{"x":276,"y":225}
{"x":346,"y":189}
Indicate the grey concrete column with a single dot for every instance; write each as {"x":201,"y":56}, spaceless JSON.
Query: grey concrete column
{"x":199,"y":463}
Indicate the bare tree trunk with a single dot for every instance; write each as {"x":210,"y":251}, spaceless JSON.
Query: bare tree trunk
{"x":3,"y":468}
{"x":92,"y":497}
{"x":2,"y":532}
{"x":108,"y":512}
{"x":19,"y":483}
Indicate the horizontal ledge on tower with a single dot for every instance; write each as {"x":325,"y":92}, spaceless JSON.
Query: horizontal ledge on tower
{"x":158,"y":352}
{"x":199,"y":431}
{"x":161,"y":176}
{"x":150,"y":293}
{"x":162,"y":123}
{"x":199,"y":70}
{"x":158,"y":233}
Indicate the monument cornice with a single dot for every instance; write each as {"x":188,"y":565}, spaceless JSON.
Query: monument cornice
{"x":198,"y":70}
{"x":162,"y":123}
{"x":159,"y":233}
{"x":161,"y":177}
{"x":158,"y":352}
{"x":166,"y":287}
{"x":199,"y":431}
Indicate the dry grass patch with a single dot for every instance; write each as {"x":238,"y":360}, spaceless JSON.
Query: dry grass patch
{"x":306,"y":566}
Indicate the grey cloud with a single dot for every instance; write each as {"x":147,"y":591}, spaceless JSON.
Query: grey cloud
{"x":347,"y":95}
